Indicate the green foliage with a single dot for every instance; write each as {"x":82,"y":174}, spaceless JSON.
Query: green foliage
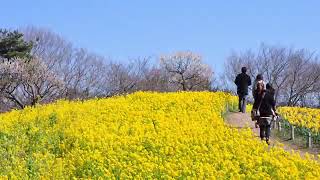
{"x":12,"y":45}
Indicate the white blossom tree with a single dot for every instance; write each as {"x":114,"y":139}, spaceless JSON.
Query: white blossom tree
{"x":186,"y":71}
{"x":29,"y":83}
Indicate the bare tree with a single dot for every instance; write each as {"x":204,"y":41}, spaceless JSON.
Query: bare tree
{"x":293,"y":73}
{"x":303,"y":76}
{"x":50,"y":47}
{"x":29,"y":83}
{"x":273,"y":62}
{"x":187,"y":71}
{"x":233,"y":66}
{"x":156,"y":79}
{"x":82,"y":72}
{"x":84,"y":75}
{"x":11,"y":78}
{"x":126,"y":78}
{"x":318,"y":99}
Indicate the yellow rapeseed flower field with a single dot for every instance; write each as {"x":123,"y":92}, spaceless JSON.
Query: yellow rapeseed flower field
{"x":299,"y":116}
{"x":302,"y":117}
{"x":140,"y":136}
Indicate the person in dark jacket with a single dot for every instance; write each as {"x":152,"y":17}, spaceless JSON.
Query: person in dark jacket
{"x":258,"y":86}
{"x":243,"y":81}
{"x":267,"y":112}
{"x":257,"y":90}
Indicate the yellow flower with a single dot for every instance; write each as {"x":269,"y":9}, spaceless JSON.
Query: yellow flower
{"x":144,"y":135}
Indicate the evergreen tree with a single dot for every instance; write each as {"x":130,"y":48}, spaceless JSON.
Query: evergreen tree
{"x":12,"y":45}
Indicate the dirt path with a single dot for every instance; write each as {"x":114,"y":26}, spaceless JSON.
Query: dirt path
{"x":240,"y":120}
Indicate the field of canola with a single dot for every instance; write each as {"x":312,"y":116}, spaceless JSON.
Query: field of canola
{"x":143,"y":135}
{"x":302,"y":117}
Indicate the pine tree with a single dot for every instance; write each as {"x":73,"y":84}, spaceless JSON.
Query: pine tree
{"x":13,"y":46}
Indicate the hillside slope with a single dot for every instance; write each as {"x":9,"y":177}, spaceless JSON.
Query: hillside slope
{"x":143,"y":135}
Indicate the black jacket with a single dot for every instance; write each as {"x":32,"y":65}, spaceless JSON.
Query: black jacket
{"x":243,"y":81}
{"x":268,"y":104}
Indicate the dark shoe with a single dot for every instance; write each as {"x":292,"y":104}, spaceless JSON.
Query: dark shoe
{"x":267,"y":141}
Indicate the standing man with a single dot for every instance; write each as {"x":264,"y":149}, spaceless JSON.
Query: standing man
{"x":243,"y":81}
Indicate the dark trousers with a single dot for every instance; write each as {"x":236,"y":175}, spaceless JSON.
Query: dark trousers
{"x":242,"y":102}
{"x":265,"y":130}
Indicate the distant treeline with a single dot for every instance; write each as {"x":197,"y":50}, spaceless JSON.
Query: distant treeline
{"x":39,"y":66}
